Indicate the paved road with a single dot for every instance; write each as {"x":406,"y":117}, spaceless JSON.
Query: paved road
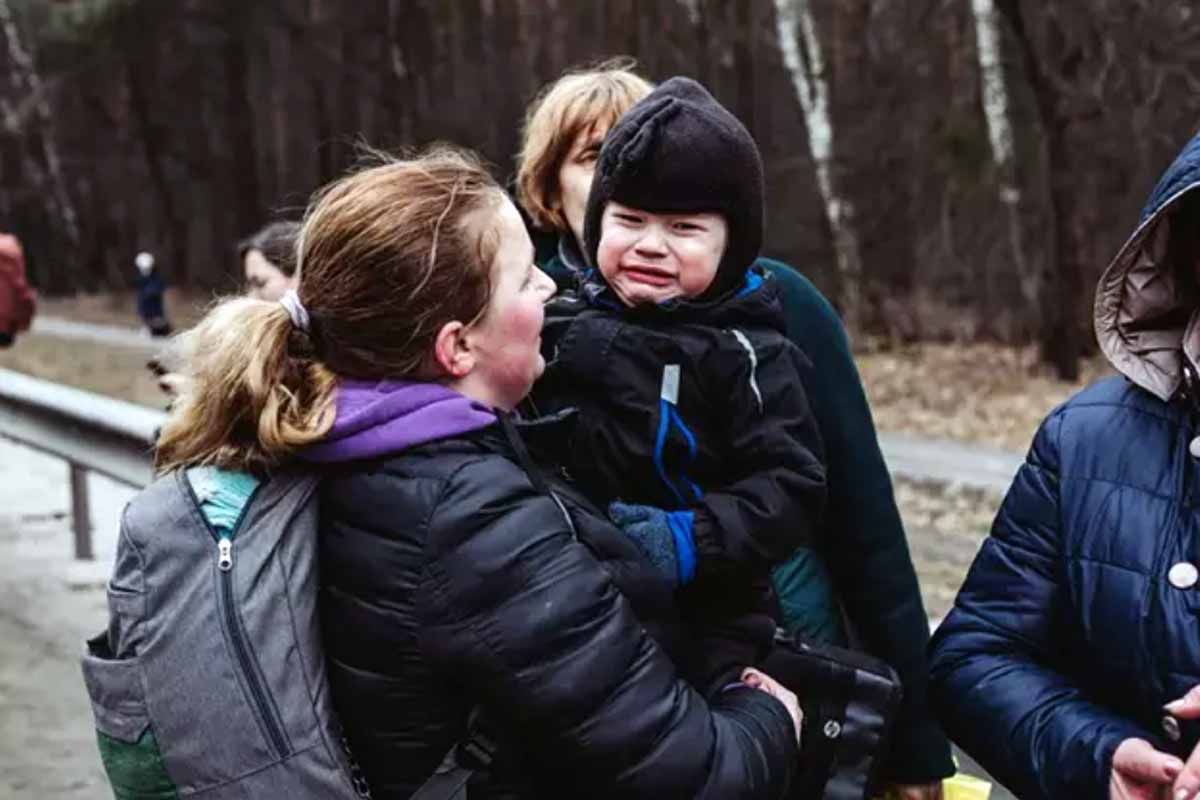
{"x":48,"y":606}
{"x":947,"y":461}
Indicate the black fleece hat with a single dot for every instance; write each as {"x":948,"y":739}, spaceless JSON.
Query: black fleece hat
{"x":679,"y":151}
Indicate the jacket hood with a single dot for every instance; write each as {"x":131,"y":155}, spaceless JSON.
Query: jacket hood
{"x":376,"y":418}
{"x":678,"y":150}
{"x":755,"y":303}
{"x":1147,"y":314}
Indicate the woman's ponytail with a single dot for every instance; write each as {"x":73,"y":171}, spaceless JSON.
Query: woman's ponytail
{"x":253,"y":394}
{"x":386,"y":256}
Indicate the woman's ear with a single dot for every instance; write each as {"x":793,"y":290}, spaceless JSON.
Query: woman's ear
{"x":452,"y":352}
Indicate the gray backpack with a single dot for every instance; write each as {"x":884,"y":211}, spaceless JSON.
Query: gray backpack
{"x":210,"y":679}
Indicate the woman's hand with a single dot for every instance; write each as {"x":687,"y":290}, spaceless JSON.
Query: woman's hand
{"x":1139,"y":772}
{"x":1187,"y":780}
{"x":917,"y":791}
{"x":757,"y":679}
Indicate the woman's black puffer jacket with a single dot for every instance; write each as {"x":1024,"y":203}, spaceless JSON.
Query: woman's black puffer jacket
{"x":449,"y":581}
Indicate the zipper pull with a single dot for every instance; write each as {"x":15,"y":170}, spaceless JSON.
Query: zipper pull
{"x":224,"y":554}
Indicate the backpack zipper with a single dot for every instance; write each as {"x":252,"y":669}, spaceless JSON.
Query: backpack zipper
{"x":233,"y":625}
{"x":242,"y":649}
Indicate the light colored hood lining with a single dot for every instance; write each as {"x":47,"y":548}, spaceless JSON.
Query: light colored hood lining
{"x":1143,"y":321}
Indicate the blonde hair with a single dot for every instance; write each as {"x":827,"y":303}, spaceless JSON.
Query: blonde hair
{"x":575,"y":103}
{"x":388,"y":255}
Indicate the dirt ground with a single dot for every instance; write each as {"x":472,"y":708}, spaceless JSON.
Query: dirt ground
{"x":120,"y":308}
{"x":114,"y":371}
{"x":983,"y":393}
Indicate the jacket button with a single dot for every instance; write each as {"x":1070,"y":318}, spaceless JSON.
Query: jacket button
{"x":833,"y":729}
{"x":1194,"y":447}
{"x":1183,"y":575}
{"x":1170,"y":727}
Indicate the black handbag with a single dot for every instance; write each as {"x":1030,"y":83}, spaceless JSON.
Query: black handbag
{"x":850,"y":701}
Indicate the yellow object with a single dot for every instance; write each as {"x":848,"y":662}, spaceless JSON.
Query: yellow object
{"x":965,"y":787}
{"x":959,"y":787}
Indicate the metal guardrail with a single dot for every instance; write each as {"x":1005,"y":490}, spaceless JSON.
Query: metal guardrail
{"x":92,"y":433}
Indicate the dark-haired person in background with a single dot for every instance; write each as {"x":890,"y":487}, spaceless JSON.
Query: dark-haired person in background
{"x":268,"y":260}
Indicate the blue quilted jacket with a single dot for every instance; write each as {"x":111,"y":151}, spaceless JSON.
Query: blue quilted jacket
{"x":1079,"y":618}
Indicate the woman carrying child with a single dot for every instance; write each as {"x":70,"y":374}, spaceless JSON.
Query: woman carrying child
{"x":453,"y":580}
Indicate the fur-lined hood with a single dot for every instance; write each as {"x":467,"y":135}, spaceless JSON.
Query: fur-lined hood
{"x":1147,"y":313}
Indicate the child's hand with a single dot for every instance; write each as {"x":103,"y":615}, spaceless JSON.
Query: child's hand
{"x":664,"y":537}
{"x":757,"y":679}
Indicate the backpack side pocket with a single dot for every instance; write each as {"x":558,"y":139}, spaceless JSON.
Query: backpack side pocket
{"x":127,"y":746}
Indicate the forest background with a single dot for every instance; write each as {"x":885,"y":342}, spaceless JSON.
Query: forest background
{"x":950,"y":170}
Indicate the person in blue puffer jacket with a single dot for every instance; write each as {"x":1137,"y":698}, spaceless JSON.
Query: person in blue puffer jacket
{"x":1068,"y":664}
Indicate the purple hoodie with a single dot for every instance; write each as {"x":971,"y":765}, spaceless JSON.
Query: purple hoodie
{"x":375,"y":418}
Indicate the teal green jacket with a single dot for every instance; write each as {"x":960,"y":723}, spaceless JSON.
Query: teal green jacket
{"x":861,"y":566}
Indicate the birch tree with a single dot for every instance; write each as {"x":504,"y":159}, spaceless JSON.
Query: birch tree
{"x":994,"y":87}
{"x":33,"y":103}
{"x":804,"y":59}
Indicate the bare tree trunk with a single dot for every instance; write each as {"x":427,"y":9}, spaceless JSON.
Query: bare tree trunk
{"x":25,"y":78}
{"x":1059,"y":286}
{"x":743,"y":62}
{"x":806,"y":65}
{"x":698,"y":18}
{"x":241,"y":121}
{"x":151,"y":137}
{"x":1000,"y":135}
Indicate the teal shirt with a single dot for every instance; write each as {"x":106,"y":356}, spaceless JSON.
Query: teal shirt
{"x":223,"y":495}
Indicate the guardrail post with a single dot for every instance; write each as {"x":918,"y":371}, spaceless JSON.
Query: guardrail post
{"x":81,"y":514}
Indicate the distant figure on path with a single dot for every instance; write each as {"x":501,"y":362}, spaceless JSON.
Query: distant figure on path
{"x":150,"y":289}
{"x":17,"y":300}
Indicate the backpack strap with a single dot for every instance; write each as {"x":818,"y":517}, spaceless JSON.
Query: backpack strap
{"x":474,"y":753}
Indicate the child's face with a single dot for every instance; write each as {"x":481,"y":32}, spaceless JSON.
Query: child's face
{"x":651,"y":258}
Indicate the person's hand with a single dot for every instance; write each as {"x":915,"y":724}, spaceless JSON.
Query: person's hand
{"x":915,"y":791}
{"x":1139,"y":772}
{"x":1187,"y":782}
{"x":756,"y":679}
{"x":664,"y":537}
